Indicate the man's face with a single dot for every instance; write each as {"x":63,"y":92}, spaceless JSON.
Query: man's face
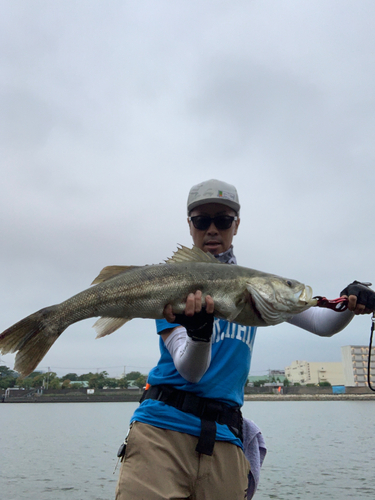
{"x":213,"y":240}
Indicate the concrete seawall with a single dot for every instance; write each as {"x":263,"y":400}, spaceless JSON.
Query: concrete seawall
{"x":310,"y":397}
{"x":117,"y":397}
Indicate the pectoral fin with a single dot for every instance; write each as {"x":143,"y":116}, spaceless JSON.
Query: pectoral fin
{"x":233,"y":316}
{"x":237,"y":308}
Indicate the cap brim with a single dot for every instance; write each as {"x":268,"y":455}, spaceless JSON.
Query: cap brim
{"x":222,"y":201}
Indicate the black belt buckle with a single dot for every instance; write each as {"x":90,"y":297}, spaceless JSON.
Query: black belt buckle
{"x":191,"y":403}
{"x":212,"y":411}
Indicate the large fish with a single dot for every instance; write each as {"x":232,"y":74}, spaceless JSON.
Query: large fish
{"x":241,"y":295}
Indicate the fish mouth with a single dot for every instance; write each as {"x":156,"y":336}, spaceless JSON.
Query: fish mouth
{"x":305,"y":296}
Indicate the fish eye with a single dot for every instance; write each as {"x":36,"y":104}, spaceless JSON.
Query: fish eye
{"x":289,"y":283}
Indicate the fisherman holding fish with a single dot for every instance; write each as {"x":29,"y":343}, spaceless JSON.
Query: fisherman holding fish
{"x":187,"y":438}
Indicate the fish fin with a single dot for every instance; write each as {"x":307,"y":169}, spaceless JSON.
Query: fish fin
{"x":105,"y":326}
{"x":110,"y":271}
{"x":233,"y":316}
{"x":237,"y":309}
{"x":31,"y":338}
{"x":195,"y":254}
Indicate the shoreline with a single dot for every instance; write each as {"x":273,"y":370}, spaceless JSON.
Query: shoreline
{"x":309,"y":397}
{"x":101,"y":398}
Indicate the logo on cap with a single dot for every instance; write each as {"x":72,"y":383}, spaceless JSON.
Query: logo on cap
{"x":226,"y":195}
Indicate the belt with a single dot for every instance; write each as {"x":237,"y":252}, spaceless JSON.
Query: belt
{"x":208,"y":410}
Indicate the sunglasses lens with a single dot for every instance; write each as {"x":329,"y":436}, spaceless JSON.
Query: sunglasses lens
{"x":203,"y":222}
{"x":223,"y":221}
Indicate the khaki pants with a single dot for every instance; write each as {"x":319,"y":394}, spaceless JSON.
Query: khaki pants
{"x":163,"y":465}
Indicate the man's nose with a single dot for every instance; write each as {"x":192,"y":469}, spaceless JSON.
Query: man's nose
{"x":212,"y":229}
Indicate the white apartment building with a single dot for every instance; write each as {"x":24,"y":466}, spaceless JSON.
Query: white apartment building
{"x":355,"y":365}
{"x":305,"y":372}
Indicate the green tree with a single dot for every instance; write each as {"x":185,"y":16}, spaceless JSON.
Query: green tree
{"x":141,"y":381}
{"x":70,"y":376}
{"x":7,"y":372}
{"x":25,"y":383}
{"x":8,"y":377}
{"x":6,"y":382}
{"x":136,"y":378}
{"x":122,"y":382}
{"x":98,"y":380}
{"x":76,"y":386}
{"x":111,"y":382}
{"x":54,"y":382}
{"x":86,"y":376}
{"x":324,"y":384}
{"x":35,"y":379}
{"x":39,"y":379}
{"x":133,"y":375}
{"x":34,"y":374}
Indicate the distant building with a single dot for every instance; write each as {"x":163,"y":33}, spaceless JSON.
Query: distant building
{"x":276,"y":377}
{"x":305,"y":372}
{"x":355,"y":364}
{"x":79,"y":383}
{"x":132,"y":385}
{"x":277,"y":374}
{"x":257,"y":378}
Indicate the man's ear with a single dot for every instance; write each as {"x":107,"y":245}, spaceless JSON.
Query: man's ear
{"x":237,"y":224}
{"x":189,"y":226}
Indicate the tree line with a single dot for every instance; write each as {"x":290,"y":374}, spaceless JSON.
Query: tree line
{"x":50,"y":380}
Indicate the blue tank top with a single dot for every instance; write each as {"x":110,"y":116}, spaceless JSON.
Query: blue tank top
{"x":224,"y":380}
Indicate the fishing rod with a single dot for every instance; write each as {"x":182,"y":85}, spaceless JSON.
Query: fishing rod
{"x":340,"y":305}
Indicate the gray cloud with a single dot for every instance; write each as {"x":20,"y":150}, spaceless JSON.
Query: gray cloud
{"x":109,"y":113}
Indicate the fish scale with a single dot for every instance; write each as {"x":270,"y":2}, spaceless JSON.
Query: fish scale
{"x":121,"y":293}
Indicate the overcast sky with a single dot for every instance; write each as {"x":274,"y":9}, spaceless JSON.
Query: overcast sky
{"x":111,"y":111}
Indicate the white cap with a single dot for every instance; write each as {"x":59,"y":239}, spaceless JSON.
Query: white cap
{"x":213,"y":191}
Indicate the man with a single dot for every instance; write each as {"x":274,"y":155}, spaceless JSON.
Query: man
{"x":185,"y":439}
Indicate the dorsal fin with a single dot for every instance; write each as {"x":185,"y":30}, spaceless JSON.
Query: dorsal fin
{"x":195,"y":254}
{"x":110,"y":271}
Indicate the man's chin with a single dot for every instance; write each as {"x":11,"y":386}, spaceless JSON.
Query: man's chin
{"x":214,"y":249}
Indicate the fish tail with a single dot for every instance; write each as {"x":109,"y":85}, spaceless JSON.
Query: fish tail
{"x":31,"y":338}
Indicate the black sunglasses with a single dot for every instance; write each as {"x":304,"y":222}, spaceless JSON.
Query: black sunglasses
{"x":203,"y":222}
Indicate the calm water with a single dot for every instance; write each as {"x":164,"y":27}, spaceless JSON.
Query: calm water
{"x":316,"y":450}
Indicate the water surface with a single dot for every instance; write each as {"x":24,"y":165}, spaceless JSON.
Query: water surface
{"x":316,"y":449}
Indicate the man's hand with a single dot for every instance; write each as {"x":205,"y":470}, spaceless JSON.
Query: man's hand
{"x":361,"y":299}
{"x":197,"y":320}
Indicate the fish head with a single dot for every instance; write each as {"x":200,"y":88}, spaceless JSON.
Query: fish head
{"x":276,"y":299}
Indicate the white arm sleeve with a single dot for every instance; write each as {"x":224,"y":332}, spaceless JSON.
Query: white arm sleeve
{"x":323,"y":322}
{"x":191,"y":358}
